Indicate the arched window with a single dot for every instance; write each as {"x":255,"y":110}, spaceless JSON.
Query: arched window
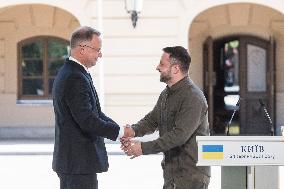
{"x":39,"y":61}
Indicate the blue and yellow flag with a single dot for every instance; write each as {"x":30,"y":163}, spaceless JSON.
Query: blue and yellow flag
{"x":212,"y":151}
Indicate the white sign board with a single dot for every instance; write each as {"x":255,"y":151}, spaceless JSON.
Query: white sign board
{"x":240,"y":150}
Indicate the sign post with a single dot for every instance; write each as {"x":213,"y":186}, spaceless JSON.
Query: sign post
{"x":247,"y":151}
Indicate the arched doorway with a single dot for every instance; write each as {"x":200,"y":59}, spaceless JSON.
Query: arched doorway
{"x":240,"y":68}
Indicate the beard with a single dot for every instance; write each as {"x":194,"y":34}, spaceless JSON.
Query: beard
{"x":165,"y":77}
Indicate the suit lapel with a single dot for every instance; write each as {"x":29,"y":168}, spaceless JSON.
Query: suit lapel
{"x":94,"y":91}
{"x":90,"y":81}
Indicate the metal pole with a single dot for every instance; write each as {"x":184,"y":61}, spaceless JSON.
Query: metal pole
{"x":250,"y":177}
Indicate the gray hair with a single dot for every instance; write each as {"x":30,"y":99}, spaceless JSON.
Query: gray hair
{"x":174,"y":60}
{"x":82,"y":34}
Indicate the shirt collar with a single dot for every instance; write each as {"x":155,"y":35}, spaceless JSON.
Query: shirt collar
{"x":179,"y":84}
{"x":74,"y":60}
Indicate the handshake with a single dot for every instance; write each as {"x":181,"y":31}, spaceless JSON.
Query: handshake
{"x":128,"y":145}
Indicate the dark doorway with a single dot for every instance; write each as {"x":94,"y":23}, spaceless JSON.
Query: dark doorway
{"x":239,"y":68}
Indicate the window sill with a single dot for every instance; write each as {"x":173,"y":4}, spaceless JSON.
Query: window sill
{"x":34,"y":102}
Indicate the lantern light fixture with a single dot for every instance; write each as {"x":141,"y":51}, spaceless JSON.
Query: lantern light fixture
{"x":134,"y":7}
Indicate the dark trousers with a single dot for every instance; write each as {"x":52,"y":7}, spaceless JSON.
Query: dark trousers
{"x":69,"y":181}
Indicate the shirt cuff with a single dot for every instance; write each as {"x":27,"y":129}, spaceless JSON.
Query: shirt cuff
{"x":120,"y":134}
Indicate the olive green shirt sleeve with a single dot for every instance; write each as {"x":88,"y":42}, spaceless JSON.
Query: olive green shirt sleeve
{"x":148,"y":124}
{"x":187,"y":121}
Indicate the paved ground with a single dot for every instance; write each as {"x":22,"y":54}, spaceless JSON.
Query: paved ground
{"x":34,"y":172}
{"x":28,"y":166}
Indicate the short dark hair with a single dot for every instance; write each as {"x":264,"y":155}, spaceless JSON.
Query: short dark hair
{"x":179,"y":55}
{"x":82,"y":34}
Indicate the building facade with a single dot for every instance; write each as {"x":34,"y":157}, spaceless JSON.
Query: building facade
{"x":236,"y":49}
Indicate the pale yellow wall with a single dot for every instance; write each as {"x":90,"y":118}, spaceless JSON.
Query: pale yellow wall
{"x":18,"y":23}
{"x":130,"y":55}
{"x":2,"y":59}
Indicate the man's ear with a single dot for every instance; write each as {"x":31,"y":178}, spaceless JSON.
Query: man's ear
{"x":176,"y":69}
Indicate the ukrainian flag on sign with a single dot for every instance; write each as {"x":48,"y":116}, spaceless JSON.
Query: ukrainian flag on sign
{"x":212,"y":151}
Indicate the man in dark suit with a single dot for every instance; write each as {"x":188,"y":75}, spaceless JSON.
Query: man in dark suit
{"x":80,"y":125}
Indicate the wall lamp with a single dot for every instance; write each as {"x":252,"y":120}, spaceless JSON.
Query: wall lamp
{"x":134,"y":7}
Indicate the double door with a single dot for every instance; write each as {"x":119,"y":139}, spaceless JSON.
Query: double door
{"x":239,"y":79}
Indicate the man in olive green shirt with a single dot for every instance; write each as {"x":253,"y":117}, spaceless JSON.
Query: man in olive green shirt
{"x":179,"y":115}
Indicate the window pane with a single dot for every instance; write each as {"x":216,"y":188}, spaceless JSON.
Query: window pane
{"x":32,"y":67}
{"x":57,"y":49}
{"x":256,"y":70}
{"x":33,"y":87}
{"x":32,"y":50}
{"x":231,"y":66}
{"x":50,"y":85}
{"x":54,"y":66}
{"x":41,"y":58}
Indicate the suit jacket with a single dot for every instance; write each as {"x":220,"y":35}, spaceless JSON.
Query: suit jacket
{"x":80,"y":125}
